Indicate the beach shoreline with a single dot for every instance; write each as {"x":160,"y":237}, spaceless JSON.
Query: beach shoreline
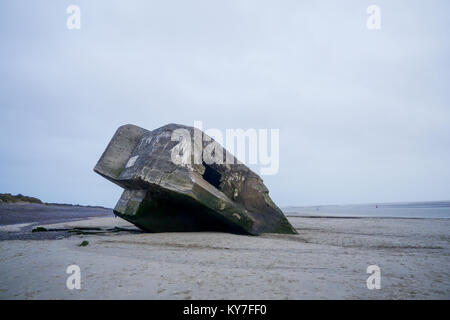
{"x":328,"y":259}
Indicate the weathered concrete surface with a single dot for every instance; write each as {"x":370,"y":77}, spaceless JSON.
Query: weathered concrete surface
{"x":163,"y":196}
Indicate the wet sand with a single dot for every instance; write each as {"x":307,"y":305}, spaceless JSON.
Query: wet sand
{"x":327,"y":260}
{"x":17,"y":220}
{"x":16,"y":213}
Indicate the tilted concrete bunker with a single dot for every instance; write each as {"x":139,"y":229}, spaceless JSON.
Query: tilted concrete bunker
{"x":170,"y":186}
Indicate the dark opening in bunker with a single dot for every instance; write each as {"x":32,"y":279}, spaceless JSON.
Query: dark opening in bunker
{"x":211,"y":175}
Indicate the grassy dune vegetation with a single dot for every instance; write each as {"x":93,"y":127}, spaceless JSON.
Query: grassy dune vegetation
{"x":9,"y":198}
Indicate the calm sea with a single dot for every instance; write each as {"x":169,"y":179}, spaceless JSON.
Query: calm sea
{"x":435,"y":209}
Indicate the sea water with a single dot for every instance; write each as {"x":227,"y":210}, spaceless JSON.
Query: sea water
{"x":435,"y":209}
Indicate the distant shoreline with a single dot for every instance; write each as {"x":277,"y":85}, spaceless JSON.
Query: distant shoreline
{"x":74,"y":205}
{"x":8,"y":198}
{"x":21,"y":203}
{"x":290,"y":215}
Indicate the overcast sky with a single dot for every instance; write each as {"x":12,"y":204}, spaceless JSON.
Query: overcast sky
{"x":364,"y":115}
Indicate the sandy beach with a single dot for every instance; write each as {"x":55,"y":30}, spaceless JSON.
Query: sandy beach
{"x":326,"y":260}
